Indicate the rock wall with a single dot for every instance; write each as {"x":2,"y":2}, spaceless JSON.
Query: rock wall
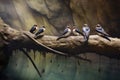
{"x":55,"y":15}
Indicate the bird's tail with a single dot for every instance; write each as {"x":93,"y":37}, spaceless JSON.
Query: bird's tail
{"x":38,"y":36}
{"x":36,"y":33}
{"x":61,"y":37}
{"x":86,"y":38}
{"x":31,"y":31}
{"x":106,"y":37}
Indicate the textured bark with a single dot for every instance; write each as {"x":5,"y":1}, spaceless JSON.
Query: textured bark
{"x":72,"y":45}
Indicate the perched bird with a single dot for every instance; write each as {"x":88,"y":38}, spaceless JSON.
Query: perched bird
{"x":41,"y":30}
{"x":86,"y":32}
{"x":66,"y":33}
{"x":33,"y":29}
{"x":76,"y":31}
{"x":101,"y":32}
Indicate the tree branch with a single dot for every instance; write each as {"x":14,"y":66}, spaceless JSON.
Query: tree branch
{"x":73,"y":45}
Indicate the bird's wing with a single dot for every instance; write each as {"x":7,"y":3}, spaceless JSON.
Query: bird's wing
{"x":105,"y":33}
{"x":32,"y":29}
{"x":102,"y":32}
{"x":78,"y":31}
{"x":65,"y":31}
{"x":41,"y":30}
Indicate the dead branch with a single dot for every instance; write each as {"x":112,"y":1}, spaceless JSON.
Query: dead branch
{"x":72,"y":45}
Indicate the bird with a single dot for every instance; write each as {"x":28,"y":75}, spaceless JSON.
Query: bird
{"x":41,"y":30}
{"x":101,"y":32}
{"x":86,"y":32}
{"x":33,"y":28}
{"x":76,"y":31}
{"x":66,"y":33}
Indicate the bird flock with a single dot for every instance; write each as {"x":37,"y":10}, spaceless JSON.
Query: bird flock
{"x":73,"y":30}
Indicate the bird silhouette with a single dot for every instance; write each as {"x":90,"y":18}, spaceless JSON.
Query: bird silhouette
{"x":66,"y":33}
{"x":86,"y":32}
{"x":101,"y":32}
{"x":33,"y":29}
{"x":76,"y":31}
{"x":41,"y":30}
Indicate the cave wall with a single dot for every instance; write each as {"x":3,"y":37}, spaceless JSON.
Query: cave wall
{"x":105,"y":12}
{"x":55,"y":15}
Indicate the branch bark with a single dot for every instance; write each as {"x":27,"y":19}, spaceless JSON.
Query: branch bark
{"x":73,"y":45}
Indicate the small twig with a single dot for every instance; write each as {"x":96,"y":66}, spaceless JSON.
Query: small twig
{"x":31,"y":61}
